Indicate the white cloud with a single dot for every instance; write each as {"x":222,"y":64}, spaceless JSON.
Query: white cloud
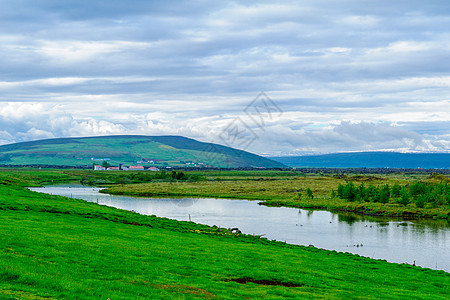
{"x":72,"y":52}
{"x":24,"y":122}
{"x":93,"y":128}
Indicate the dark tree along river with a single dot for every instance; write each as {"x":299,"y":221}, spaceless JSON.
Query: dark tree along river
{"x":424,"y":243}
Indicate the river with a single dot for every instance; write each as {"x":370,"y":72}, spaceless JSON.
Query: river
{"x":424,"y":243}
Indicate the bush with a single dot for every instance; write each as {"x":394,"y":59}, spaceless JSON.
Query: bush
{"x":396,"y":190}
{"x":340,"y":191}
{"x":350,"y":191}
{"x":371,"y":193}
{"x":404,"y":197}
{"x":384,"y":194}
{"x":420,"y":201}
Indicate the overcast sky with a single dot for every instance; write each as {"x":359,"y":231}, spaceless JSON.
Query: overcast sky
{"x":336,"y":75}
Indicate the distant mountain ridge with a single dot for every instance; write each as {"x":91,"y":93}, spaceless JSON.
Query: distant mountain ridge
{"x":370,"y":160}
{"x":175,"y":151}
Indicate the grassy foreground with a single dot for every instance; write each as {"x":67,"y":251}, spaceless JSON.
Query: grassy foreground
{"x":54,"y":247}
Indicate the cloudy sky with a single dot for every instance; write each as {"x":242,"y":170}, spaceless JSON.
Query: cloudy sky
{"x":336,"y":75}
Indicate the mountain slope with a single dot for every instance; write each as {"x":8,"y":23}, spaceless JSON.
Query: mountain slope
{"x":129,"y":150}
{"x":370,"y":160}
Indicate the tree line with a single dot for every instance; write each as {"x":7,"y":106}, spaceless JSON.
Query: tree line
{"x":420,"y":193}
{"x":100,"y":178}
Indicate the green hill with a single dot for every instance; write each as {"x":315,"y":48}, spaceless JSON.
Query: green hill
{"x":175,"y":151}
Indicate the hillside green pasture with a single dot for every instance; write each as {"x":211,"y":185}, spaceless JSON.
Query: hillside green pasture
{"x":80,"y":151}
{"x":175,"y":151}
{"x":54,"y":247}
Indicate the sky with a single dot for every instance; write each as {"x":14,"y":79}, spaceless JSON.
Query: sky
{"x":270,"y":77}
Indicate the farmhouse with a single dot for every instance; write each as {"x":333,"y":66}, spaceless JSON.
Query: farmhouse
{"x":136,"y":168}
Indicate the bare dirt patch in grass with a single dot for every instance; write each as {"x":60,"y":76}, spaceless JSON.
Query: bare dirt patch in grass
{"x":245,"y":280}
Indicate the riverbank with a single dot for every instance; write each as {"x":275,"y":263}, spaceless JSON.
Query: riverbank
{"x":60,"y":248}
{"x":289,"y":191}
{"x":272,"y":188}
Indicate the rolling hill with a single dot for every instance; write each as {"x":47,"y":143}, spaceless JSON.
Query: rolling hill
{"x":370,"y":160}
{"x":175,"y":151}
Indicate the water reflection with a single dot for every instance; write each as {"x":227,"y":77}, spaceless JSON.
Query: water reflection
{"x":184,"y":202}
{"x":348,"y":218}
{"x":424,"y":242}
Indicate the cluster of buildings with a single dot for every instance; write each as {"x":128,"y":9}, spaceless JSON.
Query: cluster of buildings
{"x":125,"y":168}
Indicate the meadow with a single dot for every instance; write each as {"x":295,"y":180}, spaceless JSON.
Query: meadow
{"x":54,"y":247}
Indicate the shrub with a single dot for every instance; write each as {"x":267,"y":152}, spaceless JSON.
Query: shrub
{"x":350,"y":191}
{"x":384,"y":194}
{"x":404,"y":197}
{"x":396,"y":190}
{"x":420,"y":201}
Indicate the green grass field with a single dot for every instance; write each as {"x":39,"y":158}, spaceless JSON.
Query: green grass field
{"x":54,"y":247}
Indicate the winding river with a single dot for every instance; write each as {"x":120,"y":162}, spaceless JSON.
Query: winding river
{"x":423,"y":243}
